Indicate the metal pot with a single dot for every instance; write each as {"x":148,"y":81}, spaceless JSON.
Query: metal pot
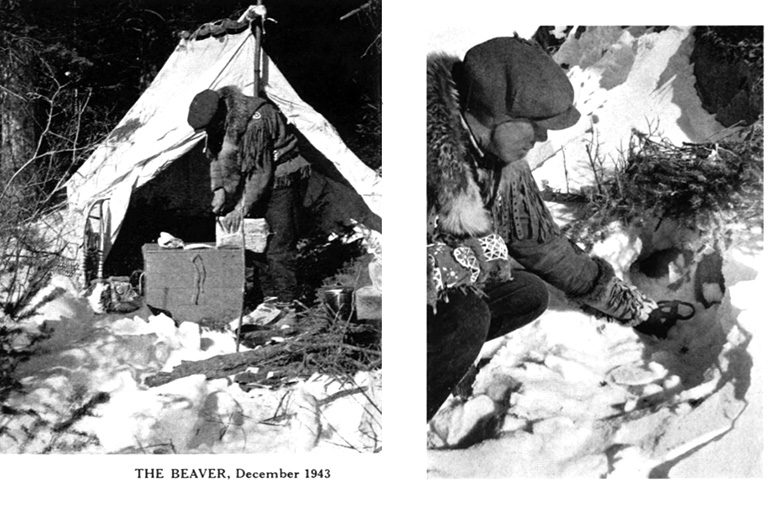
{"x":340,"y":300}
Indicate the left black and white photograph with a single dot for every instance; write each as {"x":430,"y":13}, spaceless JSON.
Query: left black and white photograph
{"x":190,"y":227}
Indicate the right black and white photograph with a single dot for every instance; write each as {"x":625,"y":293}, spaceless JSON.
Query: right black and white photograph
{"x":594,"y":250}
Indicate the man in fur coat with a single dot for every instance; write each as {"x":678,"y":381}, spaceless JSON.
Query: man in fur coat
{"x":256,"y":171}
{"x":484,"y":209}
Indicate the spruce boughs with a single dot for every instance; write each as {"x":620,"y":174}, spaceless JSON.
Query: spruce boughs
{"x":701,"y":186}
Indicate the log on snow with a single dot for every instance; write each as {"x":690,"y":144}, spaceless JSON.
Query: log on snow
{"x":219,"y":366}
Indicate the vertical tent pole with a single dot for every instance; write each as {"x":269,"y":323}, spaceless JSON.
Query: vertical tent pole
{"x":257,"y":30}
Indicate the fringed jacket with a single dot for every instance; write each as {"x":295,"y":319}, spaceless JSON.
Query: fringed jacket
{"x":470,"y":195}
{"x":252,"y":149}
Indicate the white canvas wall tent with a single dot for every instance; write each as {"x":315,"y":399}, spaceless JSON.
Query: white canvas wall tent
{"x":153,"y":156}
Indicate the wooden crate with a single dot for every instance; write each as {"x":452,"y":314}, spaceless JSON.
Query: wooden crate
{"x":195,"y":285}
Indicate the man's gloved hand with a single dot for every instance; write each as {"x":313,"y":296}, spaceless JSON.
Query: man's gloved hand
{"x":624,"y":303}
{"x":231,"y":221}
{"x":487,"y":258}
{"x":219,"y":201}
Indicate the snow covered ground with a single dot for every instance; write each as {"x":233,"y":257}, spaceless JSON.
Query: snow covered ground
{"x":83,"y":391}
{"x":599,"y":399}
{"x":573,"y":396}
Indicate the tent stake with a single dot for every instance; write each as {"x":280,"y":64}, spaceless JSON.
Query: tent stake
{"x":242,"y":305}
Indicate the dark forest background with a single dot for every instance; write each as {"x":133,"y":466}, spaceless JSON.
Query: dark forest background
{"x":70,"y":69}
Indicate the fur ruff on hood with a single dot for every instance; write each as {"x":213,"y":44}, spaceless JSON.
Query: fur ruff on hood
{"x":454,"y":199}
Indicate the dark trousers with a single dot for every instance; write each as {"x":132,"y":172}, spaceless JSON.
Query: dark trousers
{"x":457,"y":331}
{"x":282,"y":214}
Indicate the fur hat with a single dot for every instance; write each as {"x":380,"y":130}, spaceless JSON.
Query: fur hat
{"x":509,"y":78}
{"x":202,"y":109}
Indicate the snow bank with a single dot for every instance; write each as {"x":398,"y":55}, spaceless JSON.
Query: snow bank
{"x":83,"y":391}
